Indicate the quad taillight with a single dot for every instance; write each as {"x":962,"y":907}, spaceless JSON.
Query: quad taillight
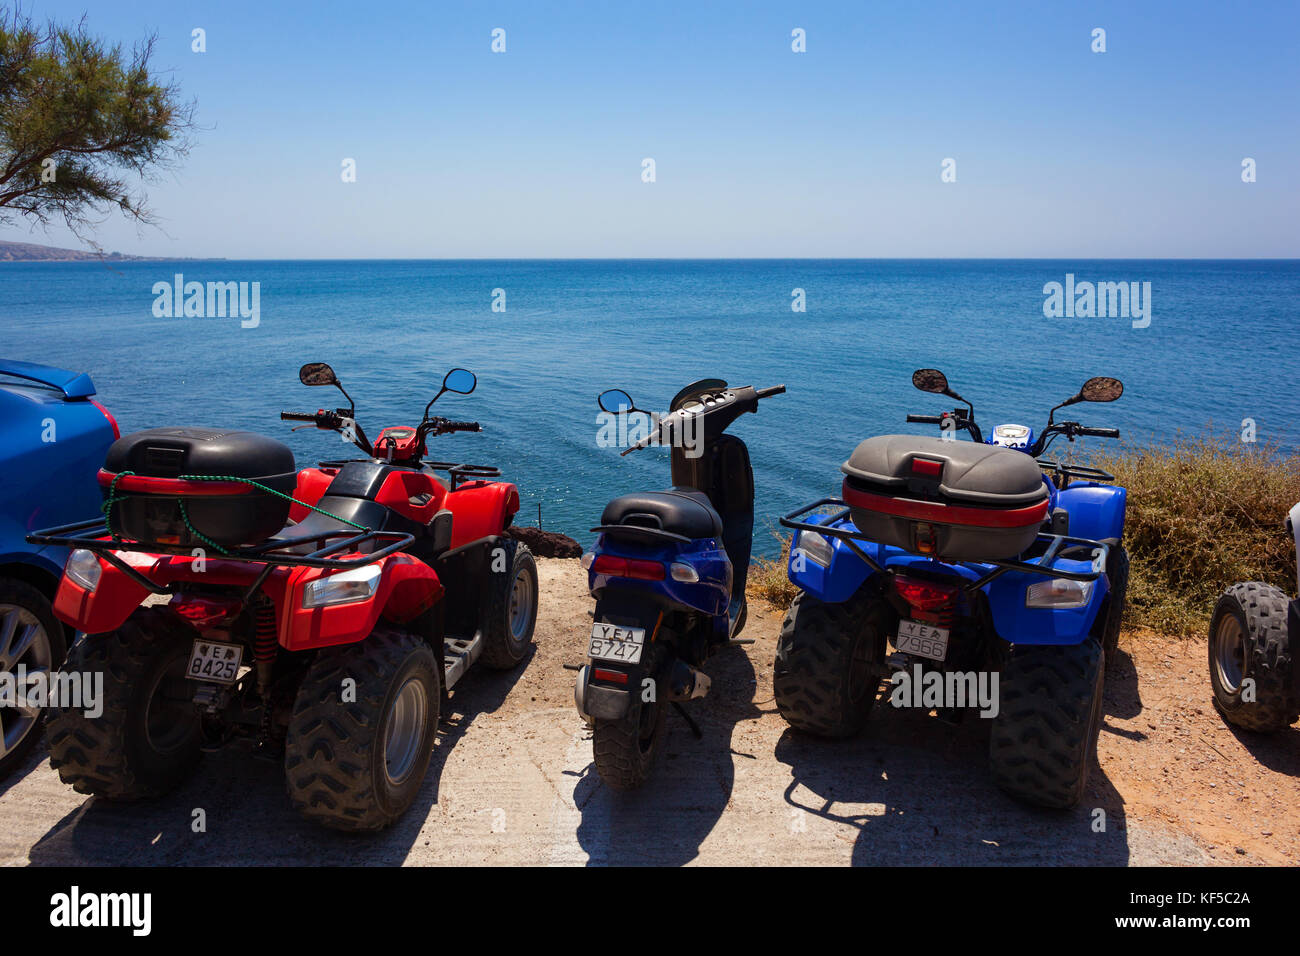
{"x":629,"y":568}
{"x":925,"y":596}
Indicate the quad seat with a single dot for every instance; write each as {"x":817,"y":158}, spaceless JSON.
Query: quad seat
{"x":683,"y":511}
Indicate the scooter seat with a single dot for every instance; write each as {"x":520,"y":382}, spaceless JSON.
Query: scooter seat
{"x":683,"y":511}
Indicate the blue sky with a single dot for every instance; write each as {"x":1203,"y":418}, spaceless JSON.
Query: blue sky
{"x":759,"y":151}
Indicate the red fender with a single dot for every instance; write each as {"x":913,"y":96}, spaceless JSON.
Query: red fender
{"x":117,"y":595}
{"x":407,"y":588}
{"x":480,"y":509}
{"x":310,"y":488}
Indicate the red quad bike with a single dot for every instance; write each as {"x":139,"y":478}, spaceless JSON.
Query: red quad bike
{"x":331,"y":639}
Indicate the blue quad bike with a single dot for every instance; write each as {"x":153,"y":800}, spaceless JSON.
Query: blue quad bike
{"x":969,"y":558}
{"x":668,"y":574}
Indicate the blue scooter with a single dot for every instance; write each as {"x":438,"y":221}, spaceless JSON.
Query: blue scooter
{"x":668,"y":574}
{"x":997,"y":576}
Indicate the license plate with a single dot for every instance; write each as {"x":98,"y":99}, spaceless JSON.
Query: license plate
{"x":620,"y":644}
{"x":922,"y":640}
{"x":215,"y":662}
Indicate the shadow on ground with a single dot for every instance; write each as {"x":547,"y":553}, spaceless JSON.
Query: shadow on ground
{"x":248,"y":817}
{"x":1279,"y":752}
{"x":664,"y":822}
{"x":919,"y":792}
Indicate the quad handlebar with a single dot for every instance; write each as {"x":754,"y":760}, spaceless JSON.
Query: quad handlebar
{"x":1070,"y":430}
{"x":334,"y":421}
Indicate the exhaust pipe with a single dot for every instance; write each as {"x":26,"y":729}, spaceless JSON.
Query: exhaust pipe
{"x":687,"y":683}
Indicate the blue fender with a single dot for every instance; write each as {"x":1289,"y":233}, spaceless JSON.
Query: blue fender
{"x":1096,"y":511}
{"x":838,"y":581}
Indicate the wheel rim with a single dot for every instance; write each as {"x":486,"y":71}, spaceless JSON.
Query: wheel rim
{"x":1230,"y":652}
{"x":22,"y":641}
{"x":405,"y":722}
{"x":521,"y":605}
{"x":169,"y":716}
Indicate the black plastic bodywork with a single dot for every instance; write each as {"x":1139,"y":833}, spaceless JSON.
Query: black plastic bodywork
{"x":227,"y":520}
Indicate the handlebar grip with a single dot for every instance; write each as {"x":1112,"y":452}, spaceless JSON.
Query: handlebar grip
{"x":767,"y":392}
{"x":925,"y":419}
{"x":463,"y":426}
{"x":1100,"y":432}
{"x":297,"y":417}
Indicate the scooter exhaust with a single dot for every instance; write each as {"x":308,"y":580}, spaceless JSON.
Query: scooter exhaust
{"x":687,"y":683}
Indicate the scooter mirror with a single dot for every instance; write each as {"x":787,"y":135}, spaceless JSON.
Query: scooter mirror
{"x":1101,"y":389}
{"x":930,"y":380}
{"x":459,"y":380}
{"x":615,"y":400}
{"x":317,"y":373}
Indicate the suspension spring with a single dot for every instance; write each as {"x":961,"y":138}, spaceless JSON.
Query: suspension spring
{"x":265,"y":643}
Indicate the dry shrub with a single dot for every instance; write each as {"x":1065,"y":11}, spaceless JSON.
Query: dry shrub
{"x":1202,"y":514}
{"x":768,"y":579}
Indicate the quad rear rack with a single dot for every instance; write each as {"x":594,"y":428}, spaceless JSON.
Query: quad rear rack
{"x":1054,"y":544}
{"x":93,"y":535}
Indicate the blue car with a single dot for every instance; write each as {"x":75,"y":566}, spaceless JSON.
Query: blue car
{"x":997,"y":576}
{"x":53,"y":438}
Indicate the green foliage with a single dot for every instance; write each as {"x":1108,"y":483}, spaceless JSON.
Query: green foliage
{"x":81,"y":124}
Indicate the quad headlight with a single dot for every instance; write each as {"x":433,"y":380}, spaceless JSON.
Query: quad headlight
{"x":1059,"y":593}
{"x":816,"y":547}
{"x":84,"y":569}
{"x":359,"y":584}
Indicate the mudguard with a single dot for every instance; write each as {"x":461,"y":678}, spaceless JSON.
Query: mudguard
{"x":311,"y":486}
{"x":599,"y":701}
{"x":1096,"y":510}
{"x":838,"y":581}
{"x":480,"y":509}
{"x":1019,"y":624}
{"x":407,"y":588}
{"x":1013,"y":621}
{"x":117,"y":595}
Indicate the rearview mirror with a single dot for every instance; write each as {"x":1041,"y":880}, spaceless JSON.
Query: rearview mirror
{"x":930,"y":380}
{"x":317,"y":373}
{"x":1101,"y":389}
{"x":459,"y":380}
{"x":615,"y":400}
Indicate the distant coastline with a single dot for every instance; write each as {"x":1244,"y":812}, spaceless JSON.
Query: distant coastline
{"x":34,"y":252}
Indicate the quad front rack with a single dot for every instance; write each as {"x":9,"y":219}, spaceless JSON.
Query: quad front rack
{"x":459,"y":472}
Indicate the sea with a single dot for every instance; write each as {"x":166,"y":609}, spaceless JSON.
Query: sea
{"x":1203,"y":347}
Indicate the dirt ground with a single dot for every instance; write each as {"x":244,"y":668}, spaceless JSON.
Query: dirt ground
{"x":511,"y":782}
